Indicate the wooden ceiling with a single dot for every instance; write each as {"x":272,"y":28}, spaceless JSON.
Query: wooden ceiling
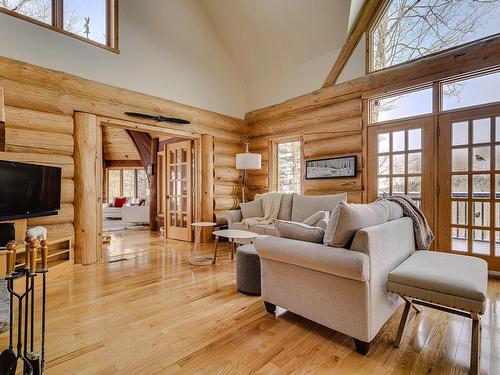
{"x":117,"y":145}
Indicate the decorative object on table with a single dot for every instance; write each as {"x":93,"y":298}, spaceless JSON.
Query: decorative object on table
{"x":106,"y":240}
{"x":234,"y":236}
{"x":248,"y":270}
{"x":196,"y":259}
{"x":331,"y":168}
{"x":244,"y":162}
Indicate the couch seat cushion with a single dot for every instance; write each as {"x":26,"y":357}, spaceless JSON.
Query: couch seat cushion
{"x":451,"y":280}
{"x":335,"y":261}
{"x":304,"y":206}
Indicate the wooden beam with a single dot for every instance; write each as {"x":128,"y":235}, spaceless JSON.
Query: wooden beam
{"x":207,"y":182}
{"x":363,"y":21}
{"x":2,"y":121}
{"x":153,"y":186}
{"x":123,"y":163}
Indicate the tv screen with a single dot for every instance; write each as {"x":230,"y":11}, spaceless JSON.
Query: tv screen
{"x":28,"y":190}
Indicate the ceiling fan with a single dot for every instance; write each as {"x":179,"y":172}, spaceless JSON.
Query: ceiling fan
{"x":159,"y":118}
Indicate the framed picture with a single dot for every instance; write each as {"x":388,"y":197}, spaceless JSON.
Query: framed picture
{"x":332,"y":168}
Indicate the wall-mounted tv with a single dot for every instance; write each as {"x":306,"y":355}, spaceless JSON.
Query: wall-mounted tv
{"x":28,"y":190}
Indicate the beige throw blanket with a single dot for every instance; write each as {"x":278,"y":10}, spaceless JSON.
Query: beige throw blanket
{"x":271,"y":203}
{"x":421,"y":229}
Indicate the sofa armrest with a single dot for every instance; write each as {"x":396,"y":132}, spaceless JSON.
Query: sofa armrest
{"x":335,"y":261}
{"x":233,"y":216}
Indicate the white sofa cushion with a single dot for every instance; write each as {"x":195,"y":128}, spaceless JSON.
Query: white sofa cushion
{"x":304,"y":206}
{"x":252,"y":209}
{"x":299,"y":231}
{"x":319,"y":219}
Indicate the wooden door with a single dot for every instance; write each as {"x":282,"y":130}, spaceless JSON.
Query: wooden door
{"x":469,"y":183}
{"x":179,"y":190}
{"x":400,"y":161}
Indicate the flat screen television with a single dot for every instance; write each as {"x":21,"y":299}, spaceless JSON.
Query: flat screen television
{"x":28,"y":190}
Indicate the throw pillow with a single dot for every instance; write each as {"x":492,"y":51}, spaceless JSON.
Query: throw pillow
{"x":348,"y":218}
{"x":394,"y":209}
{"x":298,"y":231}
{"x":118,"y":202}
{"x":305,"y":205}
{"x":252,"y":209}
{"x":319,"y":219}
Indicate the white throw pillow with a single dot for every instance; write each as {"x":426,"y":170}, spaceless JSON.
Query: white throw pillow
{"x":298,"y":231}
{"x":348,"y":218}
{"x":319,"y":219}
{"x":252,"y":209}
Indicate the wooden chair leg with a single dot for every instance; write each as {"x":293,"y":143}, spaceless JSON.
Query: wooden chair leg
{"x":474,"y":352}
{"x":402,"y":324}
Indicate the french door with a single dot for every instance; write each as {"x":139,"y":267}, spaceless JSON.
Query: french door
{"x":469,"y":183}
{"x":401,"y":161}
{"x":179,"y":190}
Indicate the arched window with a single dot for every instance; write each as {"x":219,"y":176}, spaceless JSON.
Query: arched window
{"x":409,"y":29}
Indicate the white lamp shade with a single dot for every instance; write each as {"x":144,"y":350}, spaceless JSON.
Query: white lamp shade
{"x":248,"y":160}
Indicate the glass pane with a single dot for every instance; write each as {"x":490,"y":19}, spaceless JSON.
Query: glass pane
{"x":383,"y":164}
{"x":414,"y":139}
{"x":497,"y":130}
{"x":459,"y":186}
{"x":399,"y":106}
{"x":40,"y":10}
{"x":459,"y":213}
{"x":414,"y":187}
{"x":481,"y":241}
{"x":497,"y":244}
{"x":497,"y":186}
{"x":481,"y":130}
{"x":497,"y":157}
{"x":129,"y":183}
{"x":398,"y":185}
{"x":459,"y":239}
{"x":481,"y":186}
{"x":289,"y":156}
{"x":481,"y":158}
{"x":481,"y":214}
{"x":473,"y":91}
{"x":460,"y":133}
{"x":415,"y":162}
{"x":142,"y":184}
{"x":460,"y":160}
{"x":383,"y":142}
{"x":398,"y":141}
{"x":497,"y":215}
{"x":398,"y":164}
{"x":114,"y":184}
{"x":173,"y":205}
{"x":383,"y":187}
{"x":86,"y":18}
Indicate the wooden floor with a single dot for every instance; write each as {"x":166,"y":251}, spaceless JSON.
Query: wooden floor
{"x":153,"y":313}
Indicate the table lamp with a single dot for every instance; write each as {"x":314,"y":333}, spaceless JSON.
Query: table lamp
{"x":247,"y":161}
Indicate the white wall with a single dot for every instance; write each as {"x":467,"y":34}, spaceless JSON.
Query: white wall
{"x":168,"y":49}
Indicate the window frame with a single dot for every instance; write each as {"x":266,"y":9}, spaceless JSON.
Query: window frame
{"x":369,"y":44}
{"x":136,"y":180}
{"x":112,"y":28}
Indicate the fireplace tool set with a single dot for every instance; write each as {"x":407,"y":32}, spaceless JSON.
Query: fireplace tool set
{"x":33,"y":362}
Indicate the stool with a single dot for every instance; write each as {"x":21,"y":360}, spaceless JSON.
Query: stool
{"x":452,"y":283}
{"x":248,"y":270}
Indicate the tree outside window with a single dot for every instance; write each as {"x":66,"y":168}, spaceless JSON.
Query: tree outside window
{"x":289,"y":167}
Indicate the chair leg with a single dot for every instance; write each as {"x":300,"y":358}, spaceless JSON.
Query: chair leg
{"x":474,"y":353}
{"x":402,"y":324}
{"x":270,"y":307}
{"x":362,"y":347}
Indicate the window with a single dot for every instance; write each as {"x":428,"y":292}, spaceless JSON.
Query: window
{"x":127,"y":183}
{"x":93,"y":21}
{"x":409,"y":29}
{"x":412,"y":103}
{"x":289,"y":167}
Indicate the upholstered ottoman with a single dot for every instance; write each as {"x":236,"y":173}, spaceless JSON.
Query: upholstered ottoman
{"x":248,"y":270}
{"x":452,"y":283}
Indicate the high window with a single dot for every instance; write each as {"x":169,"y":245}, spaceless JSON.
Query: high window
{"x":93,"y":21}
{"x":409,"y":29}
{"x":289,"y":167}
{"x":131,"y":183}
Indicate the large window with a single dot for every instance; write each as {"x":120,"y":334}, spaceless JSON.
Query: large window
{"x":409,"y":29}
{"x":131,"y":183}
{"x":93,"y":21}
{"x":289,"y":167}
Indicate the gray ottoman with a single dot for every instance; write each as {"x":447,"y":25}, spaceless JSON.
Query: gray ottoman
{"x":248,"y":270}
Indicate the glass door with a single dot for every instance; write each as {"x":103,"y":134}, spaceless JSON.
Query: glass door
{"x":179,"y":188}
{"x":469,"y":181}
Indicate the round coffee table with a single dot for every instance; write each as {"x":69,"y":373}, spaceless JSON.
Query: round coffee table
{"x":233,"y":235}
{"x":195,"y":259}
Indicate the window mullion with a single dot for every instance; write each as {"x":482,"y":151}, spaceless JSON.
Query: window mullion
{"x":58,"y":14}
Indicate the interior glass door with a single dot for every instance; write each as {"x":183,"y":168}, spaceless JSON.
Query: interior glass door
{"x":469,"y":181}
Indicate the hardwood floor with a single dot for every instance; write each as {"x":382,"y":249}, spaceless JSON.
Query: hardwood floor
{"x":153,"y":313}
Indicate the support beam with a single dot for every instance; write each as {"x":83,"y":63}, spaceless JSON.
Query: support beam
{"x":2,"y":121}
{"x":87,"y":191}
{"x":366,"y":15}
{"x":207,"y":182}
{"x":153,"y":186}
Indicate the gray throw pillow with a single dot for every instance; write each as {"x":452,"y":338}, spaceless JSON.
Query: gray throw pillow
{"x":298,"y":231}
{"x":319,"y":219}
{"x":348,"y":218}
{"x":252,"y":209}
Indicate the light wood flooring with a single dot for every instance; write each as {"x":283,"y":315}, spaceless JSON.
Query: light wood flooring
{"x":153,"y":313}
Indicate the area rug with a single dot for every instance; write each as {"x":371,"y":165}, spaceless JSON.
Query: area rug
{"x":4,"y":306}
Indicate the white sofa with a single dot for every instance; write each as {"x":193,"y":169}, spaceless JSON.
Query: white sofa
{"x":135,"y":214}
{"x":343,"y":289}
{"x":294,"y":207}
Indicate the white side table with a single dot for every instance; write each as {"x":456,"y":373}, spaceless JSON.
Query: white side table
{"x":195,"y":259}
{"x":233,"y":235}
